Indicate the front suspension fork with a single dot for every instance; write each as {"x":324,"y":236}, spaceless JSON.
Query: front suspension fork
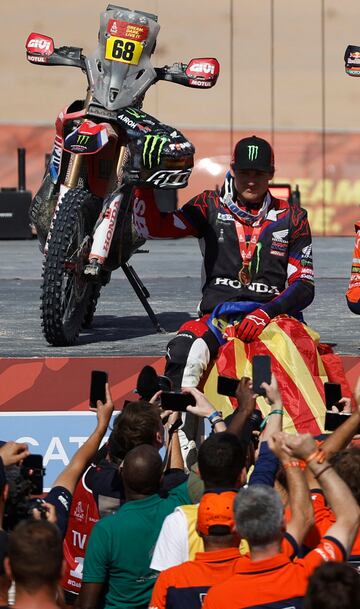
{"x":105,"y":226}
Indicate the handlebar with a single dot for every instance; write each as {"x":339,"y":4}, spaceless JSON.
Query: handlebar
{"x":199,"y":73}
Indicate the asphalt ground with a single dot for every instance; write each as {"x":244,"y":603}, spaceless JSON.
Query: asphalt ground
{"x":171,"y":271}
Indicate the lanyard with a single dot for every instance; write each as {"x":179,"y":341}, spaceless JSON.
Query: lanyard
{"x":246,"y":251}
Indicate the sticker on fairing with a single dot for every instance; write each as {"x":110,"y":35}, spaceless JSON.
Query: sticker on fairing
{"x":123,"y":50}
{"x":123,"y":29}
{"x":125,"y":41}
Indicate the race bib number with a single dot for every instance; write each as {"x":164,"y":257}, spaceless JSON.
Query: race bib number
{"x":123,"y":50}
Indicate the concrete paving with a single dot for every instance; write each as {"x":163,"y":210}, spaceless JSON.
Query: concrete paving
{"x":171,"y":272}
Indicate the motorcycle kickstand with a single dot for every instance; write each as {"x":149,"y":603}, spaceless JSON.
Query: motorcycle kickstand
{"x":142,"y":293}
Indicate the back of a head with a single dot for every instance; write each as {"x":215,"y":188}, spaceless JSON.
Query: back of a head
{"x":221,"y":459}
{"x":35,"y":554}
{"x":333,"y":586}
{"x":259,"y":515}
{"x":138,"y":423}
{"x":347,"y":465}
{"x":142,"y":470}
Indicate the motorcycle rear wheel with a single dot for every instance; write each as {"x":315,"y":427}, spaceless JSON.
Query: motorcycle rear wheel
{"x":66,"y":291}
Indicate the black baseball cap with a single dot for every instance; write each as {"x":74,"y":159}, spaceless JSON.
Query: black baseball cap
{"x":253,"y":153}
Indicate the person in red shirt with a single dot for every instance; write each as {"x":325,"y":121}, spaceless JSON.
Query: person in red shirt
{"x":267,"y":577}
{"x":188,"y":583}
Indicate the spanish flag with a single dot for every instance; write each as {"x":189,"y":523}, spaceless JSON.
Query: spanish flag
{"x":301,"y":366}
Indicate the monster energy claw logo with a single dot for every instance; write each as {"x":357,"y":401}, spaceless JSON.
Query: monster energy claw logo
{"x":82,"y":139}
{"x":253,"y":152}
{"x":153,"y":146}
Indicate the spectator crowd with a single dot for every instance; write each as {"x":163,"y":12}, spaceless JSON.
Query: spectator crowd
{"x":261,"y":518}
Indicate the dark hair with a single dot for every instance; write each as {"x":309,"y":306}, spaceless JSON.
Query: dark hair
{"x":333,"y":585}
{"x":221,"y":459}
{"x":35,"y":554}
{"x":346,"y":463}
{"x":19,"y":493}
{"x":137,"y":424}
{"x":142,"y":470}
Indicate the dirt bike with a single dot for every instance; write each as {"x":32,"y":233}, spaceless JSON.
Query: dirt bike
{"x":103,"y":147}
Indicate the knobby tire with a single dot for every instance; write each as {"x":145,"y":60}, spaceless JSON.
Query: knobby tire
{"x":67,"y":295}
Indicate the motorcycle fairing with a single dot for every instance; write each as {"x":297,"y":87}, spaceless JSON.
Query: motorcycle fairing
{"x":89,"y":138}
{"x":119,"y":70}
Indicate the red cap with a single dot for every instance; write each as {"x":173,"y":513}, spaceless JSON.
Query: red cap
{"x":216,"y":509}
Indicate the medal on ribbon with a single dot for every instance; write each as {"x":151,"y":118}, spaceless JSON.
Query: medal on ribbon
{"x":245,"y":275}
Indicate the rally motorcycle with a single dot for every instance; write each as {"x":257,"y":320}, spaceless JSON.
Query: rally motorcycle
{"x":104,"y":146}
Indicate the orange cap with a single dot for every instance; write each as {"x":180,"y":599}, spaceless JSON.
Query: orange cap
{"x":216,"y":509}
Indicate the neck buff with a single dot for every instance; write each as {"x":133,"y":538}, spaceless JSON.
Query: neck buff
{"x":229,"y":196}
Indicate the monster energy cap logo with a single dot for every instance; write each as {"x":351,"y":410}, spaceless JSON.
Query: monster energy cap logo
{"x":152,"y":149}
{"x":82,"y":139}
{"x":253,"y":152}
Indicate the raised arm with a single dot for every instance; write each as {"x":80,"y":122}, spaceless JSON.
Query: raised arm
{"x":72,"y":472}
{"x":302,"y":516}
{"x":337,"y":493}
{"x":341,"y":437}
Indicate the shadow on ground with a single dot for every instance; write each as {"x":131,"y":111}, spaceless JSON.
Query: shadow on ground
{"x":109,"y":328}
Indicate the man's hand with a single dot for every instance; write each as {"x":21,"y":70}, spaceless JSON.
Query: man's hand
{"x":245,"y":397}
{"x":13,"y":452}
{"x":50,"y":513}
{"x":300,"y":446}
{"x":273,"y":395}
{"x":202,"y":408}
{"x":276,"y":443}
{"x":252,"y":325}
{"x":345,"y":403}
{"x":104,"y":411}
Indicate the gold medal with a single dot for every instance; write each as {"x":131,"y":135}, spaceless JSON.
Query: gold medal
{"x":244,"y":275}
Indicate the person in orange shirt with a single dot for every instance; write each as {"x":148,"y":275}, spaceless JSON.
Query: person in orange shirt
{"x":268,"y":578}
{"x":353,"y":291}
{"x":186,"y":585}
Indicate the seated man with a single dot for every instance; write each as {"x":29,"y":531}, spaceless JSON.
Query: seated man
{"x":257,"y":256}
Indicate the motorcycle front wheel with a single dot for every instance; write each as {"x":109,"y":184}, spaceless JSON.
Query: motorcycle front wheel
{"x":66,"y":291}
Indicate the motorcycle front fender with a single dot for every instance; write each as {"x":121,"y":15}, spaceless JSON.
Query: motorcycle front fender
{"x":89,"y":138}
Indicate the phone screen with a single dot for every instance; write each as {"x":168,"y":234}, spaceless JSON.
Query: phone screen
{"x":261,"y":372}
{"x":32,"y":470}
{"x":332,"y":394}
{"x":173,"y":400}
{"x":227,"y":386}
{"x":99,"y":379}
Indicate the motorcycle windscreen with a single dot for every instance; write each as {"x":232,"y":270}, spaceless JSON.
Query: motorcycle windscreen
{"x":120,"y":70}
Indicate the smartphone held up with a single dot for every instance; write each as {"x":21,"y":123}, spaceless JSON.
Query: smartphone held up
{"x":261,"y":373}
{"x":177,"y":401}
{"x":99,"y":378}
